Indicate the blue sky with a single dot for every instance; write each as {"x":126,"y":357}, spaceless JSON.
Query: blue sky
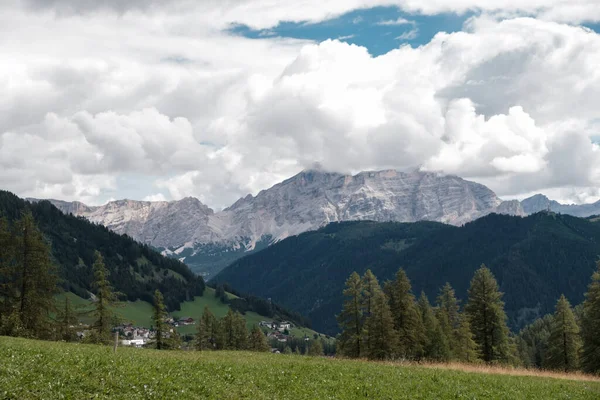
{"x":372,"y":28}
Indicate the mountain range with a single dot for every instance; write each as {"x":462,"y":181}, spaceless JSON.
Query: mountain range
{"x":208,"y":241}
{"x":535,"y":259}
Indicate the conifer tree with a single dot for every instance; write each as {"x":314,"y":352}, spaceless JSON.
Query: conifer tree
{"x":350,"y":319}
{"x":316,"y":348}
{"x":240,"y":332}
{"x":465,"y":348}
{"x":485,"y":310}
{"x":590,"y":326}
{"x":447,"y":314}
{"x":106,"y":301}
{"x":370,"y":289}
{"x":206,"y":331}
{"x":66,"y":321}
{"x":36,"y":280}
{"x":257,"y":340}
{"x":236,"y":333}
{"x":435,"y":342}
{"x":383,"y":339}
{"x":407,"y":320}
{"x":159,"y":315}
{"x":287,"y":350}
{"x":8,"y":293}
{"x":564,"y":342}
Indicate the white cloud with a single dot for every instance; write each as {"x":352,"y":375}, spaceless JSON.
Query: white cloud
{"x":397,"y":21}
{"x":511,"y":103}
{"x":408,"y":35}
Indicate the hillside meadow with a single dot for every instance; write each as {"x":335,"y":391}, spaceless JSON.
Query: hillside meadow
{"x":49,"y":370}
{"x":139,"y":312}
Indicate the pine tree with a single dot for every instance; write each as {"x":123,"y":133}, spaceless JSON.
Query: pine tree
{"x":407,"y":321}
{"x":106,"y":301}
{"x":485,"y":310}
{"x":66,"y":320}
{"x":287,"y":350}
{"x":350,"y":319}
{"x":159,"y":315}
{"x":257,"y":340}
{"x":316,"y":348}
{"x":206,"y":331}
{"x":36,"y":280}
{"x":435,"y":342}
{"x":564,"y":342}
{"x":383,"y":339}
{"x":590,"y":326}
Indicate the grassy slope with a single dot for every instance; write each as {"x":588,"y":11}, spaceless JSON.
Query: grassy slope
{"x":34,"y":370}
{"x":140,"y":312}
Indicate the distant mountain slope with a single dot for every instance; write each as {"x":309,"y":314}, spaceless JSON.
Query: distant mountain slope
{"x":535,"y":259}
{"x":135,"y":269}
{"x":539,"y":202}
{"x":208,"y":241}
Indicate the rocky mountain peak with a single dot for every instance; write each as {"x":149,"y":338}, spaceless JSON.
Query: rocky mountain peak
{"x":309,"y":200}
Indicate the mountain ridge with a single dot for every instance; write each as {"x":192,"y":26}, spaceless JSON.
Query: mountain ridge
{"x":535,"y":259}
{"x":306,"y":201}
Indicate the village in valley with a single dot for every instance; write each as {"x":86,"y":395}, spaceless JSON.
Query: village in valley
{"x":138,"y":336}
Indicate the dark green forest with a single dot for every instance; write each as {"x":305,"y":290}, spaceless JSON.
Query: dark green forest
{"x":535,"y":259}
{"x":135,"y":270}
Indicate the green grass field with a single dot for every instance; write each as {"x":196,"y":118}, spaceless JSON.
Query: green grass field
{"x":47,"y":370}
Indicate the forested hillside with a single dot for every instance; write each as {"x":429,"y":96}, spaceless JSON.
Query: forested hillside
{"x":535,"y":259}
{"x":135,"y":270}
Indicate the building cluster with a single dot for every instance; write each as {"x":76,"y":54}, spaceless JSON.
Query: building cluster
{"x":277,"y":330}
{"x":134,"y":335}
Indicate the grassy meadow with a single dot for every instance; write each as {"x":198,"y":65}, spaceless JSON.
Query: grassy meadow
{"x":48,"y":370}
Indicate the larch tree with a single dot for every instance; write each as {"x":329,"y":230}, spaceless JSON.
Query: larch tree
{"x":590,"y":326}
{"x":485,"y":310}
{"x":383,"y":339}
{"x":316,"y":348}
{"x":464,"y":346}
{"x":564,"y":342}
{"x":36,"y":279}
{"x":370,"y":289}
{"x":106,"y":300}
{"x":8,"y":293}
{"x":257,"y":341}
{"x":447,"y":313}
{"x":350,"y":319}
{"x":435,"y":342}
{"x":206,"y":331}
{"x":67,"y":319}
{"x":407,"y":320}
{"x":159,"y":314}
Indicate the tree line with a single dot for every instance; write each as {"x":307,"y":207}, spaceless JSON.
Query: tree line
{"x":29,"y":282}
{"x":227,"y":333}
{"x":390,"y":323}
{"x":135,"y":269}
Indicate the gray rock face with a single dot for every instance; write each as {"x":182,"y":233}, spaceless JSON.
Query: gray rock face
{"x":307,"y":201}
{"x":539,"y":202}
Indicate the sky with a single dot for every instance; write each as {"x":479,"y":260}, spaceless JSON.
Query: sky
{"x":159,"y":100}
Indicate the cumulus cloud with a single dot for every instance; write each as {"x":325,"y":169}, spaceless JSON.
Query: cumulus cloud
{"x":511,"y":103}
